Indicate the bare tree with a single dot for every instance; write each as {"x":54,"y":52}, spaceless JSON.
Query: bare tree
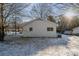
{"x":74,"y":23}
{"x":51,"y":18}
{"x":41,"y":10}
{"x":16,"y":23}
{"x":63,"y":22}
{"x":7,"y":11}
{"x":2,"y":25}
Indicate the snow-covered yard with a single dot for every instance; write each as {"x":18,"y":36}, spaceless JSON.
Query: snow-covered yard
{"x":65,"y":46}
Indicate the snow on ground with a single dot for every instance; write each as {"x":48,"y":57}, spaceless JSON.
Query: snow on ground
{"x":17,"y":46}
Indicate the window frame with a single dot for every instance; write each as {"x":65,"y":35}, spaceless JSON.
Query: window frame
{"x":30,"y":29}
{"x":49,"y":28}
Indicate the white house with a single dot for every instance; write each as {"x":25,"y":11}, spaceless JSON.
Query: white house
{"x":76,"y":30}
{"x":40,"y":28}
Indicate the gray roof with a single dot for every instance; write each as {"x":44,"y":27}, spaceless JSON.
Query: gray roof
{"x":38,"y":19}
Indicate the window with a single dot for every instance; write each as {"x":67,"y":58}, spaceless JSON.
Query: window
{"x":30,"y":29}
{"x":49,"y":29}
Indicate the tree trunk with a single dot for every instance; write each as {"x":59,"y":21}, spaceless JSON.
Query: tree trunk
{"x":15,"y":26}
{"x":2,"y":25}
{"x":2,"y":37}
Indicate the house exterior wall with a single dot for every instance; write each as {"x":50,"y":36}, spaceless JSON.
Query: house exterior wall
{"x":40,"y":29}
{"x":76,"y":30}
